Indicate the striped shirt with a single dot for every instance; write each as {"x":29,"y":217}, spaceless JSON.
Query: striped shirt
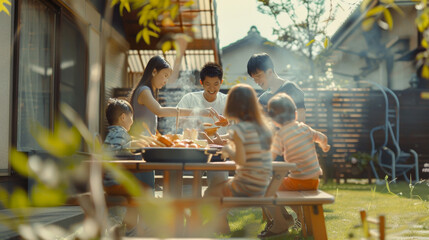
{"x":252,"y":177}
{"x":295,"y":142}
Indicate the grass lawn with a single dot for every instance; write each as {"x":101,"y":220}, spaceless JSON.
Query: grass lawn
{"x":406,"y":209}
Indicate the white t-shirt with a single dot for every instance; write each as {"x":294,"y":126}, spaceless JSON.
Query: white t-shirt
{"x":196,"y":100}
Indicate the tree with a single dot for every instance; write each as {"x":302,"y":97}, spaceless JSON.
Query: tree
{"x":301,"y":27}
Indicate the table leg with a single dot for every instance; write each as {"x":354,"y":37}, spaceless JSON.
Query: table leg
{"x":173,"y":183}
{"x":196,"y":183}
{"x":315,"y":221}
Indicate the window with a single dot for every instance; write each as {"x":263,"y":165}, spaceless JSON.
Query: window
{"x":51,"y":68}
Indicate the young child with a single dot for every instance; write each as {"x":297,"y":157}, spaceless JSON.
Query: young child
{"x":295,"y":142}
{"x":249,"y":147}
{"x":119,"y":114}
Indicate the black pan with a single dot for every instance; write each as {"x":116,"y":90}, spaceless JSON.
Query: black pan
{"x":179,"y":155}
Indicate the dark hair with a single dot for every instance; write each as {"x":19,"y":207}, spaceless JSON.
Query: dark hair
{"x":242,"y":103}
{"x":115,"y":108}
{"x":282,"y":108}
{"x":156,"y":62}
{"x":259,"y":61}
{"x":211,"y":70}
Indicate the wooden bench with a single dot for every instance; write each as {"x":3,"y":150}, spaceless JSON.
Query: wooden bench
{"x":311,"y":202}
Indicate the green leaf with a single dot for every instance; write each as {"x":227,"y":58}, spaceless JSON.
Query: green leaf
{"x":387,"y":1}
{"x":425,"y":72}
{"x":326,"y":42}
{"x":19,"y":199}
{"x":154,"y":27}
{"x":309,"y":43}
{"x":153,"y":34}
{"x":166,"y":4}
{"x":364,"y":5}
{"x":19,"y":162}
{"x":388,"y":18}
{"x":114,"y":2}
{"x":368,"y":23}
{"x":43,"y":196}
{"x":146,"y":36}
{"x":174,"y":11}
{"x":398,"y":9}
{"x":139,"y":36}
{"x":376,"y":10}
{"x":166,"y":46}
{"x":3,"y":8}
{"x":4,"y":197}
{"x":64,"y":141}
{"x":125,"y":178}
{"x":154,"y":2}
{"x":188,"y":3}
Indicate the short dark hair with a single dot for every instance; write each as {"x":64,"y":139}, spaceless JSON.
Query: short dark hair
{"x":259,"y":61}
{"x":282,"y":108}
{"x":212,"y":70}
{"x":115,"y":108}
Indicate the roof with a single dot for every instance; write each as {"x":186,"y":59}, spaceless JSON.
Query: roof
{"x":198,"y":20}
{"x":253,"y":36}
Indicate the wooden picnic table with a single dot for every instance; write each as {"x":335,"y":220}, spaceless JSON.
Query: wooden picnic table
{"x":173,"y":172}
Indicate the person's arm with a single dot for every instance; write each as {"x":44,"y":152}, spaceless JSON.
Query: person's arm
{"x":322,"y":140}
{"x":146,"y":99}
{"x":181,"y":41}
{"x":276,"y":147}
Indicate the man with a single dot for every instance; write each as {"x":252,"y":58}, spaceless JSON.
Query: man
{"x":261,"y":68}
{"x":211,"y":78}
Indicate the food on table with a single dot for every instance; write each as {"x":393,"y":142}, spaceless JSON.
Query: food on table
{"x":222,"y":121}
{"x":211,"y":131}
{"x":207,"y":124}
{"x":169,"y":140}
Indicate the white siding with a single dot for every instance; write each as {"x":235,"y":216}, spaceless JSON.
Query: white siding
{"x":5,"y":90}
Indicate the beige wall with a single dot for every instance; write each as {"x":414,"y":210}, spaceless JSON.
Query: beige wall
{"x":5,"y":90}
{"x":403,"y":28}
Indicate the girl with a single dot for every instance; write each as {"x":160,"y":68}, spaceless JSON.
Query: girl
{"x":146,"y":107}
{"x":249,"y":147}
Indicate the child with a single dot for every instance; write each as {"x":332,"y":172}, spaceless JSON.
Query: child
{"x":249,"y":148}
{"x":119,"y":114}
{"x":295,"y":142}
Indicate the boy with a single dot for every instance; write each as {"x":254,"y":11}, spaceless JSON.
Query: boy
{"x":261,"y":68}
{"x":211,"y":78}
{"x":295,"y":142}
{"x":119,"y":114}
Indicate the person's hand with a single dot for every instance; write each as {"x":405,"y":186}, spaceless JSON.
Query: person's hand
{"x":219,"y":140}
{"x":139,"y":143}
{"x":326,"y":148}
{"x":228,"y":151}
{"x":223,"y":122}
{"x":211,"y":113}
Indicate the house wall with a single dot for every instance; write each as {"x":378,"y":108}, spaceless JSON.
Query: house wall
{"x":106,"y":64}
{"x":5,"y":90}
{"x":403,"y":28}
